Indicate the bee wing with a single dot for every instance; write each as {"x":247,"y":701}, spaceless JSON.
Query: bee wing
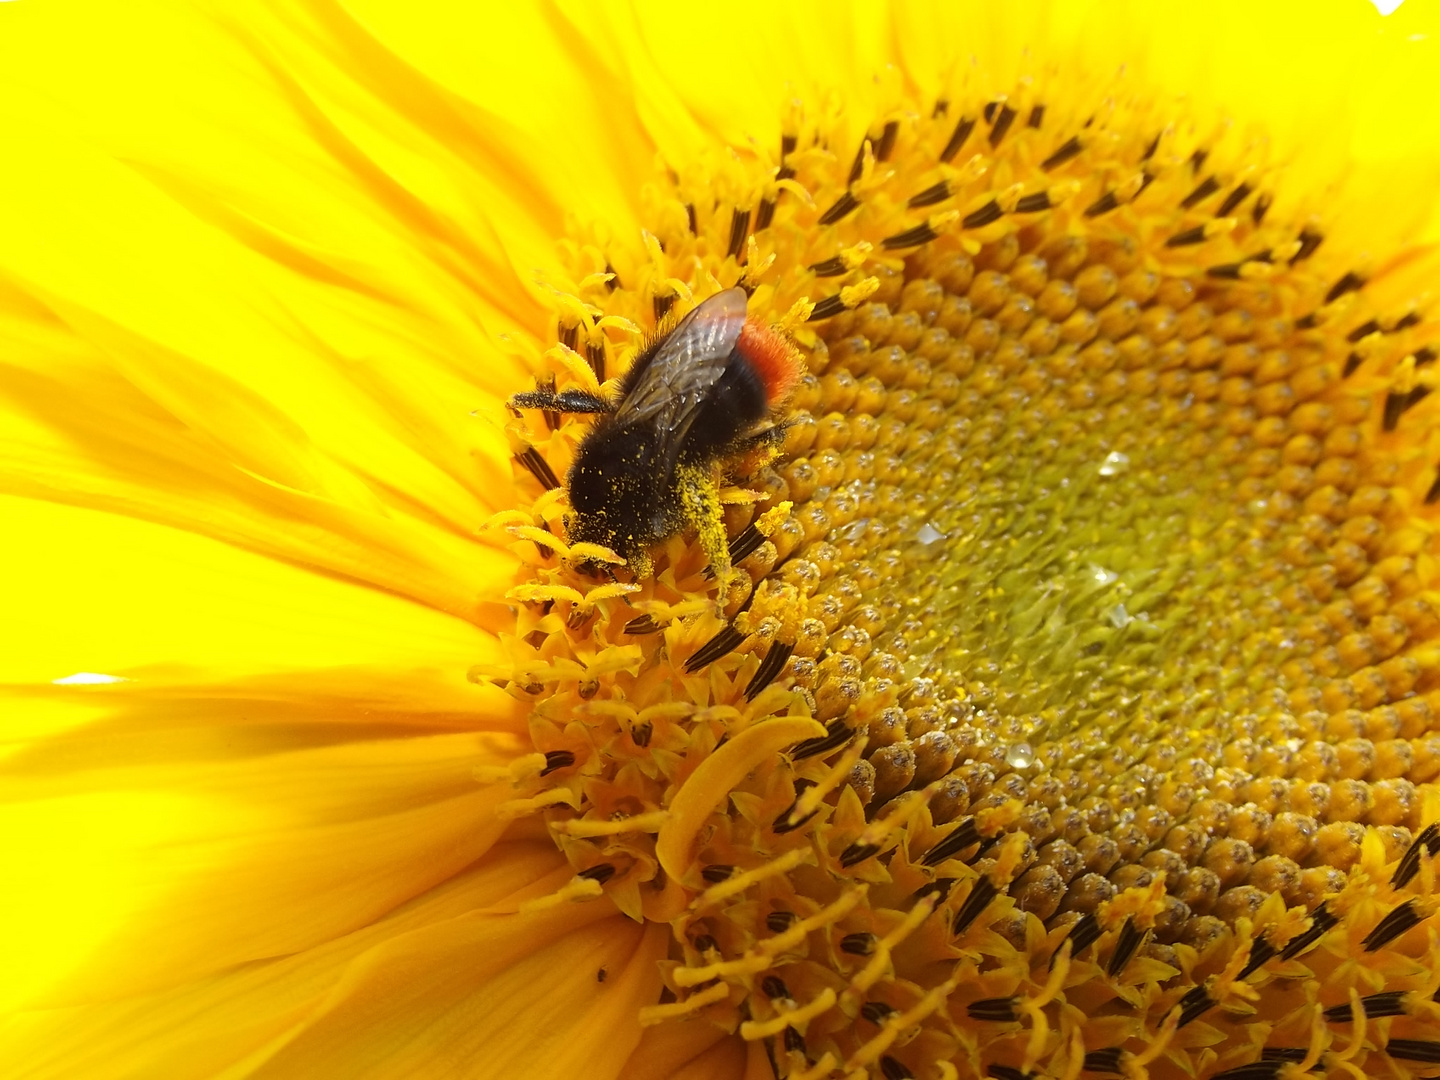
{"x":688,"y":362}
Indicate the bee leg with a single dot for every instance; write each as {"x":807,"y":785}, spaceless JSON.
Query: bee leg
{"x":700,"y":497}
{"x":569,"y":400}
{"x":761,"y":448}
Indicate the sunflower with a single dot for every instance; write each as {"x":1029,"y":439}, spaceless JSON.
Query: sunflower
{"x":1058,"y":697}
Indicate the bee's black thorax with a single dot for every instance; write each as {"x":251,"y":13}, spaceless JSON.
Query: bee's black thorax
{"x":624,"y":485}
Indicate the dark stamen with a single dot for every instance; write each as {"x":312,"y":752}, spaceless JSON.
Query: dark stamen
{"x":723,"y":642}
{"x":1102,"y":205}
{"x":1429,"y":838}
{"x":717,"y":872}
{"x":794,"y":1041}
{"x":705,"y":943}
{"x":837,"y":735}
{"x":660,"y":305}
{"x":858,"y":165}
{"x":1188,"y":237}
{"x":770,"y":667}
{"x":920,"y":234}
{"x":1260,"y":952}
{"x":1234,"y":199}
{"x":1349,"y":283}
{"x":1397,"y":403}
{"x":858,"y":853}
{"x":1227,"y":271}
{"x":829,"y":268}
{"x":1195,"y":1004}
{"x":1007,"y":1072}
{"x":877,"y":1011}
{"x":1392,"y":926}
{"x":861,"y":944}
{"x":893,"y":1070}
{"x":601,"y":872}
{"x":1197,"y":160}
{"x":1033,"y":204}
{"x":641,"y":625}
{"x":1284,"y":1053}
{"x":1150,"y":150}
{"x":1321,"y":921}
{"x":1259,"y":210}
{"x":1203,"y":191}
{"x":984,"y":216}
{"x":640,"y":734}
{"x":1107,"y":1060}
{"x":1255,"y":1070}
{"x":538,"y":467}
{"x":933,"y":194}
{"x":1003,"y":121}
{"x":765,"y":214}
{"x":997,"y":1010}
{"x":981,"y":894}
{"x":1307,"y":322}
{"x":1425,"y":1050}
{"x":777,"y":922}
{"x":1364,"y":330}
{"x":595,"y":357}
{"x":774,"y":987}
{"x":1082,"y":935}
{"x":1069,"y":149}
{"x":1388,"y":1003}
{"x":961,"y":837}
{"x":1130,"y":939}
{"x":1352,"y":365}
{"x":839,"y":209}
{"x":557,"y":759}
{"x":957,"y":138}
{"x":941,"y":108}
{"x":1406,"y":321}
{"x":827,"y":308}
{"x":887,"y":141}
{"x":690,"y":218}
{"x":1425,"y":355}
{"x":613,"y":281}
{"x":1431,"y":497}
{"x":1309,"y":243}
{"x":745,"y":543}
{"x":783,"y":824}
{"x":1037,"y":116}
{"x":739,"y":229}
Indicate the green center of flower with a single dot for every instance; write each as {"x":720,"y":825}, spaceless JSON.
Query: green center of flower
{"x":1079,"y":657}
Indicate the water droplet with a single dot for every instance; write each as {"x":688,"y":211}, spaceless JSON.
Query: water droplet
{"x":1019,"y":755}
{"x":1103,"y":576}
{"x":1118,"y":616}
{"x":928,"y":534}
{"x":1114,"y":464}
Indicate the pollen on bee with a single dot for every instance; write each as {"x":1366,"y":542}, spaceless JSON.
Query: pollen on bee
{"x":775,"y":361}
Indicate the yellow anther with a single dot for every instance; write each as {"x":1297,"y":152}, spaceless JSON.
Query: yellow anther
{"x":518,"y":808}
{"x":575,"y":365}
{"x":1034,"y":1007}
{"x":1063,"y":191}
{"x":505,"y":519}
{"x":1009,"y":198}
{"x":610,"y":591}
{"x":651,"y":1015}
{"x":906,"y":807}
{"x":821,"y":1070}
{"x":619,"y":322}
{"x":772,"y":519}
{"x":531,"y":593}
{"x":739,"y":883}
{"x":897,"y":1024}
{"x":1134,"y":1065}
{"x":589,"y":827}
{"x":754,"y":1030}
{"x":798,"y":314}
{"x":852,"y":296}
{"x":811,"y":798}
{"x":1127,"y":189}
{"x":879,"y":963}
{"x":576,"y":890}
{"x":588,"y":552}
{"x":544,"y":539}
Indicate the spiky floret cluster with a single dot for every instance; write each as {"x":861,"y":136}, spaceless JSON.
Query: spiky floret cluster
{"x":1075,"y":706}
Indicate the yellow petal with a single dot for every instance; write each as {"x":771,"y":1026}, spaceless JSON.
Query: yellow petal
{"x":155,"y":854}
{"x":203,"y":1028}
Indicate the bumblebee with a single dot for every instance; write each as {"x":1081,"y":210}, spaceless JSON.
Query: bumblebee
{"x":697,"y":395}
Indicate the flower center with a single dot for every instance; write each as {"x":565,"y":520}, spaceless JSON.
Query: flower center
{"x":1076,"y":675}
